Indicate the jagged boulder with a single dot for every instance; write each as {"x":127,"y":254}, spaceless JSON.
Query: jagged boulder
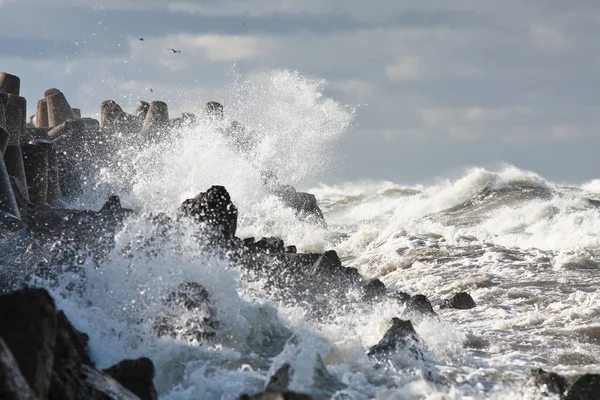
{"x":13,"y":385}
{"x":215,"y":210}
{"x":400,"y":336}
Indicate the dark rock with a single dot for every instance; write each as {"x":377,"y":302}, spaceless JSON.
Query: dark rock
{"x":276,"y":396}
{"x":135,"y":375}
{"x":8,"y":202}
{"x":35,"y":160}
{"x":549,"y":382}
{"x":114,"y":120}
{"x":213,"y":110}
{"x":77,"y":112}
{"x":269,"y":245}
{"x":586,"y":387}
{"x":373,"y":289}
{"x":13,"y":385}
{"x":101,"y":386}
{"x":305,"y":204}
{"x":4,"y":136}
{"x":70,"y":356}
{"x":54,"y":194}
{"x":460,"y":301}
{"x":215,"y":209}
{"x":401,"y":336}
{"x":3,"y":103}
{"x":290,"y":249}
{"x":67,"y":127}
{"x":401,"y":297}
{"x":10,"y":83}
{"x":50,"y":92}
{"x":59,"y":109}
{"x":419,"y":304}
{"x":13,"y":158}
{"x":29,"y":327}
{"x":13,"y":123}
{"x":188,"y":297}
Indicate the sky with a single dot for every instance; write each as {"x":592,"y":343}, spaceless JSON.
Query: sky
{"x":438,"y":85}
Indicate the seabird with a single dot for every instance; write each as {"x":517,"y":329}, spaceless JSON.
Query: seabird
{"x":142,"y":39}
{"x":151,"y":90}
{"x":173,"y":51}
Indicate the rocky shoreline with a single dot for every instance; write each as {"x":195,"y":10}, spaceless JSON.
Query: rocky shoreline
{"x":47,"y":161}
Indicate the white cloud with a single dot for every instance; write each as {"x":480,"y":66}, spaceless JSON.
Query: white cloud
{"x":546,"y":37}
{"x":230,"y":48}
{"x":471,"y":115}
{"x":564,"y":133}
{"x":404,"y":69}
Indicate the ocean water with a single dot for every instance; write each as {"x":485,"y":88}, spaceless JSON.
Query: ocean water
{"x":525,"y":248}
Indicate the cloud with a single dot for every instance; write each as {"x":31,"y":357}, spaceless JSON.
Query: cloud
{"x":471,"y":115}
{"x":563,"y":133}
{"x":546,"y":37}
{"x":404,"y":69}
{"x":229,"y":48}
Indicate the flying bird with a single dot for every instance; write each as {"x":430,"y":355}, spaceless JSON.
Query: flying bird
{"x":242,"y":24}
{"x":151,"y":90}
{"x":173,"y":51}
{"x":141,"y":39}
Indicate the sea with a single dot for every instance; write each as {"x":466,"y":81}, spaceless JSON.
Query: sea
{"x":525,"y":248}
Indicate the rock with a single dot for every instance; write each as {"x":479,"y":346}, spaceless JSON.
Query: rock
{"x":114,"y":120}
{"x":8,"y":202}
{"x":30,"y":334}
{"x":77,"y":112}
{"x":41,"y":114}
{"x":269,"y":245}
{"x":54,"y":193}
{"x":13,"y":123}
{"x":276,"y":396}
{"x":418,"y":306}
{"x":215,"y":209}
{"x":10,"y":83}
{"x":401,"y":336}
{"x":67,"y":127}
{"x":21,"y":103}
{"x":20,"y":192}
{"x":290,"y":249}
{"x":3,"y":103}
{"x":59,"y":109}
{"x":156,"y":121}
{"x":459,"y":301}
{"x":13,"y":158}
{"x":35,"y":160}
{"x":373,"y":289}
{"x":4,"y":136}
{"x":586,"y":387}
{"x":13,"y":385}
{"x":141,"y":109}
{"x":50,"y":92}
{"x":305,"y":204}
{"x":550,"y":383}
{"x":101,"y":387}
{"x":188,"y":297}
{"x":135,"y":375}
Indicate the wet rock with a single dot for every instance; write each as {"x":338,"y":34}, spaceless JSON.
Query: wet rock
{"x":214,"y":209}
{"x":114,"y":120}
{"x":276,"y":396}
{"x":70,"y":357}
{"x":102,"y":387}
{"x":10,"y":83}
{"x":67,"y":127}
{"x":459,"y":301}
{"x":305,"y":204}
{"x":188,"y":297}
{"x":4,"y":136}
{"x":29,"y":329}
{"x":77,"y":112}
{"x":290,"y":249}
{"x":156,"y":121}
{"x":135,"y":375}
{"x":550,"y":383}
{"x":13,"y":159}
{"x":418,"y":306}
{"x":59,"y":109}
{"x":35,"y":160}
{"x":401,"y":336}
{"x":8,"y":202}
{"x":41,"y":114}
{"x":141,"y":109}
{"x":586,"y":387}
{"x":373,"y":289}
{"x":270,"y":245}
{"x":13,"y":385}
{"x":13,"y":123}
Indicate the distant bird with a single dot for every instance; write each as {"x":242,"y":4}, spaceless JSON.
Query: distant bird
{"x":141,"y":39}
{"x":242,"y":24}
{"x":173,"y":51}
{"x":151,"y":90}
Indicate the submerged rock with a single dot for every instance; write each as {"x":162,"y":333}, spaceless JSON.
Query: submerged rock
{"x":460,"y":301}
{"x":550,"y":383}
{"x":417,"y":307}
{"x":189,"y":297}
